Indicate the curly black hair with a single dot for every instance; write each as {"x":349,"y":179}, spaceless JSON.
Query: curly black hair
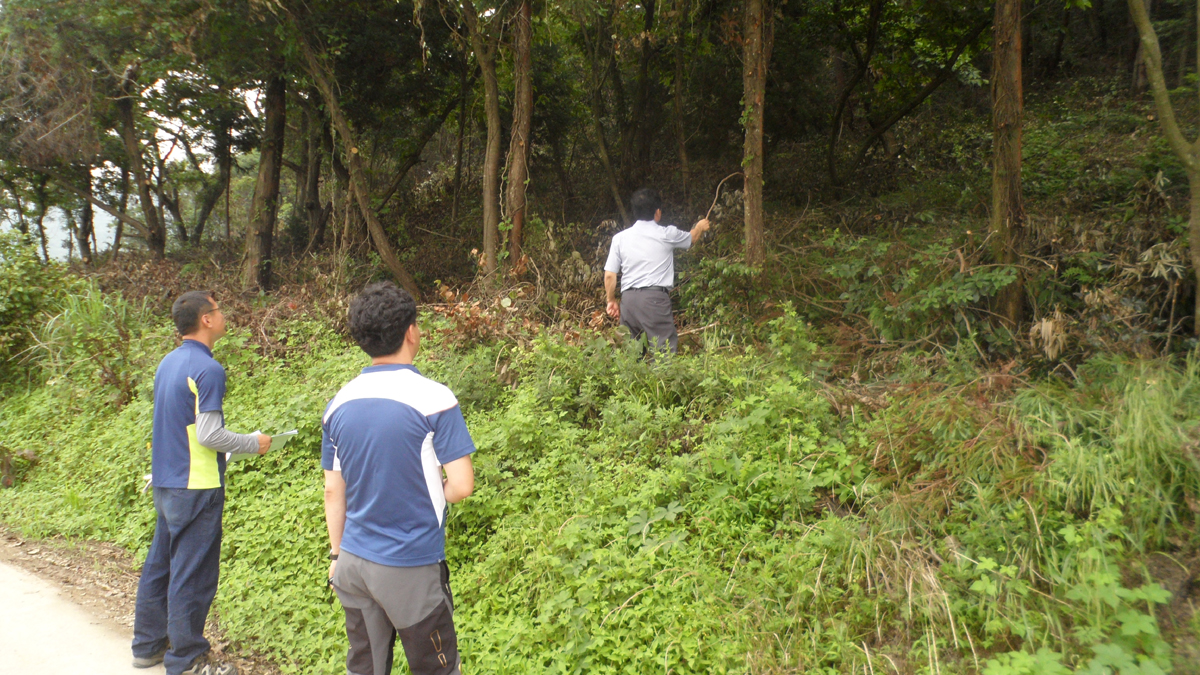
{"x":380,"y":316}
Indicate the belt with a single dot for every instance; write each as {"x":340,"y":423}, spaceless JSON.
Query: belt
{"x":664,"y":289}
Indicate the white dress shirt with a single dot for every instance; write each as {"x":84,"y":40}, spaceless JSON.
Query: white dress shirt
{"x":644,"y":254}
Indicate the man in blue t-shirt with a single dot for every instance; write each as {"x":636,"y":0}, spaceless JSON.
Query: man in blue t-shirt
{"x":188,"y":446}
{"x":644,"y":257}
{"x":395,"y":451}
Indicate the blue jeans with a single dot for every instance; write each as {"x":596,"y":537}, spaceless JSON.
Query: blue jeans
{"x":179,"y":579}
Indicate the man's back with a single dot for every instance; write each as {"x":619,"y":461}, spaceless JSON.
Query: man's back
{"x":644,"y":254}
{"x":188,"y":382}
{"x":388,"y":431}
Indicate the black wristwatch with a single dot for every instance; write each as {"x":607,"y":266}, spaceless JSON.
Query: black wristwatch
{"x":332,"y":555}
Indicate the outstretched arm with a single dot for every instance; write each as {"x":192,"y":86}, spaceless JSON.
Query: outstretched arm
{"x":211,"y":433}
{"x":699,"y":229}
{"x":610,"y":292}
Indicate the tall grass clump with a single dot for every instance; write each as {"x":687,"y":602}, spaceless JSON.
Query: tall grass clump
{"x":97,"y":337}
{"x":1124,"y":437}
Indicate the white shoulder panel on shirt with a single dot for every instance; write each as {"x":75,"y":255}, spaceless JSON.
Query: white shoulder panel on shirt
{"x":403,"y":386}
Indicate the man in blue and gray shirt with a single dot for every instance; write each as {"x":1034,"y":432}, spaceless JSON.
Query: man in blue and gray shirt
{"x":644,"y":256}
{"x":396,"y":451}
{"x":188,"y":447}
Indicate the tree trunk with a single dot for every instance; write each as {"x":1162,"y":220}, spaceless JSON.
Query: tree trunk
{"x":122,"y":207}
{"x":462,"y":125}
{"x":1097,"y":23}
{"x":212,"y":193}
{"x":300,"y":197}
{"x":156,"y":237}
{"x":635,"y":150}
{"x":39,"y":195}
{"x":1138,"y":77}
{"x":1008,"y":211}
{"x":680,"y":127}
{"x":485,"y":54}
{"x":414,"y":156}
{"x":358,"y":181}
{"x":757,"y":39}
{"x":1188,"y":152}
{"x":322,"y":146}
{"x":518,"y":145}
{"x":596,"y":105}
{"x":947,"y":69}
{"x":86,"y":227}
{"x":256,"y":270}
{"x":171,"y":204}
{"x":315,"y":214}
{"x":72,"y":235}
{"x":606,"y":160}
{"x":560,"y":168}
{"x":228,"y":190}
{"x":1194,"y":241}
{"x":22,"y":224}
{"x":1181,"y":66}
{"x":1061,"y":40}
{"x":863,"y":60}
{"x":341,"y":198}
{"x":168,"y":203}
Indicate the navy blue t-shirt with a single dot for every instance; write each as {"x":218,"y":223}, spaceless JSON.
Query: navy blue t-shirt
{"x":388,"y":432}
{"x":189,"y":381}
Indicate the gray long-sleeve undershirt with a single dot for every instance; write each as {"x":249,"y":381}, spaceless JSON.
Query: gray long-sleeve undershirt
{"x":211,"y":433}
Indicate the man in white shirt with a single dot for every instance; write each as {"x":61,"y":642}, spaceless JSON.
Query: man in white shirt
{"x":644,"y":256}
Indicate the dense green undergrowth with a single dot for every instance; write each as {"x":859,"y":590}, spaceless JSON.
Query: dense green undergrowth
{"x":725,"y":511}
{"x":897,"y":488}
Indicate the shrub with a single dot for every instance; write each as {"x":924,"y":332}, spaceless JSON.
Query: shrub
{"x":27,"y":288}
{"x":707,"y":513}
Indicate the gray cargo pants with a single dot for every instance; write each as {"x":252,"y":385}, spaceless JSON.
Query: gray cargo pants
{"x":381,"y":602}
{"x":647,"y":311}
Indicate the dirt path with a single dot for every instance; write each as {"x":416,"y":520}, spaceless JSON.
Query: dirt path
{"x":55,"y":593}
{"x":42,"y":631}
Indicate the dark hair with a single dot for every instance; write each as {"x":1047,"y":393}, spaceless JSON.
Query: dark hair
{"x":644,"y":203}
{"x":380,"y":316}
{"x":188,"y":309}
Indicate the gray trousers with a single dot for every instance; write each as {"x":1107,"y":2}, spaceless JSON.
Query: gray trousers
{"x":382,"y":602}
{"x":647,"y":311}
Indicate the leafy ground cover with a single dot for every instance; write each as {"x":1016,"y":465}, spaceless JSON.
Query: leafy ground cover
{"x":724,"y":511}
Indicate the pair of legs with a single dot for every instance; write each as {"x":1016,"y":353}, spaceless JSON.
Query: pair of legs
{"x":382,"y":602}
{"x":647,"y":311}
{"x":179,"y":579}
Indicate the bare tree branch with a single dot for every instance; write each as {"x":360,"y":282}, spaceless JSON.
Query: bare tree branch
{"x":66,"y":185}
{"x":943,"y":74}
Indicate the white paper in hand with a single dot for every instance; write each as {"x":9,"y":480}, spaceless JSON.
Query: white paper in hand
{"x":277,"y":442}
{"x":280,"y":440}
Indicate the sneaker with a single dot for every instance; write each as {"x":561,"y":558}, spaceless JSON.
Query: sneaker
{"x":205,"y":666}
{"x":150,"y":661}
